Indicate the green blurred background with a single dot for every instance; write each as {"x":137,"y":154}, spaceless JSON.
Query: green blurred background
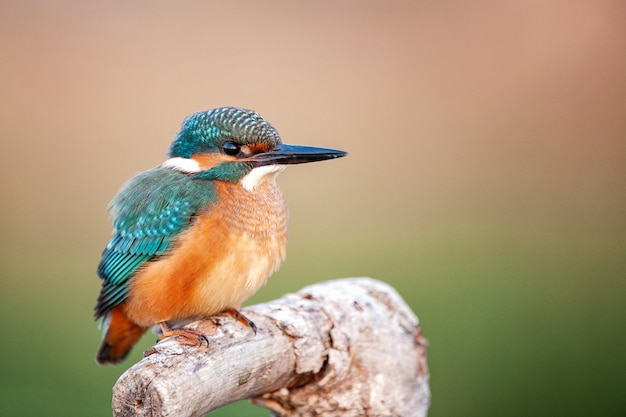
{"x":486,"y":179}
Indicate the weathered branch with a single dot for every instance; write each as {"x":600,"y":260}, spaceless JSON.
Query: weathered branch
{"x":349,"y":347}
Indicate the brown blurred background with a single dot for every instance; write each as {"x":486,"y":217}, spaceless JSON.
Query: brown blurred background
{"x":486,"y":179}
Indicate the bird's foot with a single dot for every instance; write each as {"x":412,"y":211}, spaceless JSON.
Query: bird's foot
{"x":238,"y":315}
{"x":185,"y":336}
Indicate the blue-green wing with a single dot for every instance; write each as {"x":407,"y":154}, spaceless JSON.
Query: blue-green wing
{"x":148,"y":215}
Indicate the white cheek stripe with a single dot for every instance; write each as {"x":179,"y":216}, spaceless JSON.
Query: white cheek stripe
{"x":251,"y":180}
{"x":260,"y":174}
{"x":182,"y":165}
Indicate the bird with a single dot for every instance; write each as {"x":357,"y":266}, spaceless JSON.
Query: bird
{"x":198,"y":234}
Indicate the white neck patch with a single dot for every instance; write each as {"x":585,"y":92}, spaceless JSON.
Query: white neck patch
{"x":261,"y":174}
{"x":182,"y":164}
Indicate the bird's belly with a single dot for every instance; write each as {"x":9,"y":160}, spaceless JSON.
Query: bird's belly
{"x":224,"y":258}
{"x":238,"y":275}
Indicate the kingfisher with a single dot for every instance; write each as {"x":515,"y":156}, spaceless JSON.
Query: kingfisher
{"x":198,"y":234}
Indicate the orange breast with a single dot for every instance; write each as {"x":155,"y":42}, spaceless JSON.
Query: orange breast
{"x":219,"y":262}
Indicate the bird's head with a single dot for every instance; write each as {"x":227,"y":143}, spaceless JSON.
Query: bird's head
{"x":236,"y":145}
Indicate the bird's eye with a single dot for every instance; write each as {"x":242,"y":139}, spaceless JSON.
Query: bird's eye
{"x":231,"y":148}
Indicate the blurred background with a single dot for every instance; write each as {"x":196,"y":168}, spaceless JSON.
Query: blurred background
{"x":486,"y":179}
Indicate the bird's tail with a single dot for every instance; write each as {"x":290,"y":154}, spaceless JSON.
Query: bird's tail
{"x":119,"y":336}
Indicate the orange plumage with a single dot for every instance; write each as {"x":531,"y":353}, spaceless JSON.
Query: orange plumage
{"x":216,"y":264}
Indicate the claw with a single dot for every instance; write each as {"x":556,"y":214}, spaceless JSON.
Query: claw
{"x":189,"y":336}
{"x":238,"y":315}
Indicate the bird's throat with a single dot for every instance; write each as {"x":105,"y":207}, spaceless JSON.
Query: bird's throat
{"x":266,"y":173}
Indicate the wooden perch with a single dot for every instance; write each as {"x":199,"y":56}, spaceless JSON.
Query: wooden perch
{"x":350,"y":347}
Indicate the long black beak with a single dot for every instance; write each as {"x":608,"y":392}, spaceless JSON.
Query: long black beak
{"x":295,"y":154}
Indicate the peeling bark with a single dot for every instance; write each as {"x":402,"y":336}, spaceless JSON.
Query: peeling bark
{"x":350,"y":347}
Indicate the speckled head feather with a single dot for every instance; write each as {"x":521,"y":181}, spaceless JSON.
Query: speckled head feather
{"x":208,"y":131}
